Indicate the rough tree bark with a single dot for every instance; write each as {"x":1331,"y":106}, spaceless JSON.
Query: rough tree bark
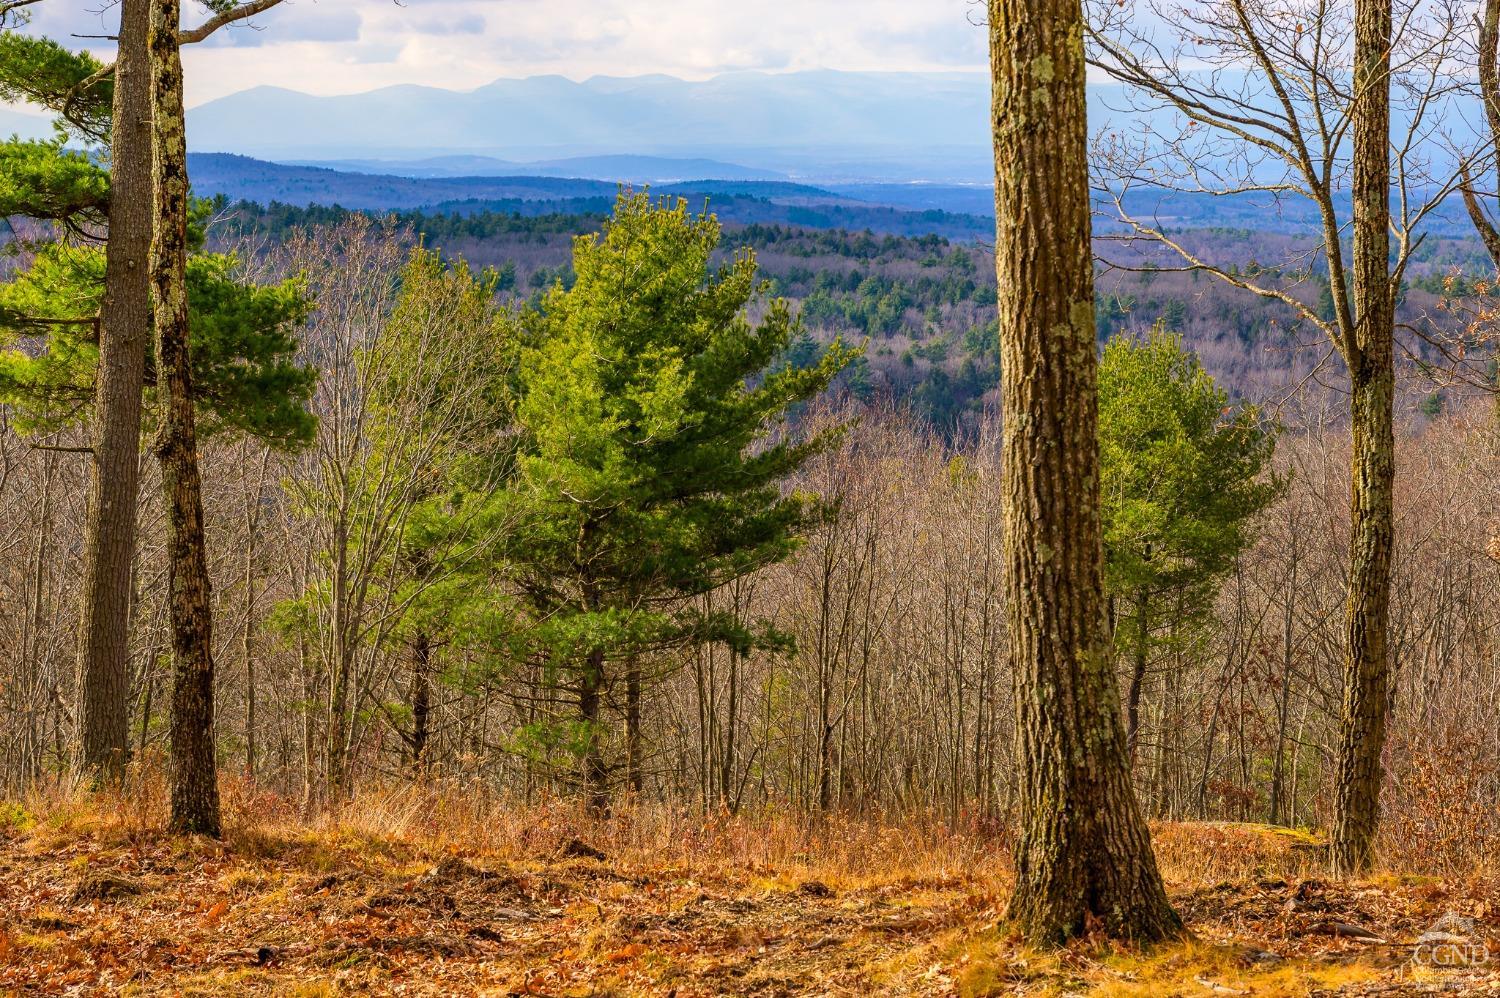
{"x":125,"y":325}
{"x":1372,"y":383}
{"x":194,"y":777}
{"x":1084,"y":851}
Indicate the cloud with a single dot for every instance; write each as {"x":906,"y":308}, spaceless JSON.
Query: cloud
{"x":458,"y":24}
{"x":343,"y":46}
{"x":291,"y":23}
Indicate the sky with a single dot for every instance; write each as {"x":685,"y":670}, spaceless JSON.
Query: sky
{"x":348,"y":46}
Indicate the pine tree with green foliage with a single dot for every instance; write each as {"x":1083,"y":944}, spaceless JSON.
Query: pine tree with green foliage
{"x":243,"y":335}
{"x":1184,"y":473}
{"x":244,"y":345}
{"x":46,"y":179}
{"x":649,"y":467}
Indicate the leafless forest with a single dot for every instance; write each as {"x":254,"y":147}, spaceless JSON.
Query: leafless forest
{"x":897,"y":698}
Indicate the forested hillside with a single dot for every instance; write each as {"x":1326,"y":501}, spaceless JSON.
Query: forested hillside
{"x":927,"y":302}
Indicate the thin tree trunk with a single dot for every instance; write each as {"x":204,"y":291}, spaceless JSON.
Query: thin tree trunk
{"x":421,"y":701}
{"x":124,"y":325}
{"x":1139,"y":661}
{"x":1372,"y":382}
{"x":595,"y":775}
{"x":247,"y":634}
{"x":194,"y":792}
{"x":1084,"y":852}
{"x":1489,"y":92}
{"x":634,"y":750}
{"x":727,"y":797}
{"x":1284,"y":694}
{"x":340,"y":667}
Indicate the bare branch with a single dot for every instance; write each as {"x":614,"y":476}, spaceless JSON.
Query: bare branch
{"x":10,"y":10}
{"x":230,"y":16}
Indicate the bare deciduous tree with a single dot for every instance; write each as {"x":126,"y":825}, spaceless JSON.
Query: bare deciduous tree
{"x":1286,"y":101}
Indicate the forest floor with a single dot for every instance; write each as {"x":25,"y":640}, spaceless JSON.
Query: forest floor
{"x":401,"y":897}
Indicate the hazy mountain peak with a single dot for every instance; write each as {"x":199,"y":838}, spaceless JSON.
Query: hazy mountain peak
{"x":783,"y":122}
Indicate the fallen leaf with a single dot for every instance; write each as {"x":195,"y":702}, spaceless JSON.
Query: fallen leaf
{"x":627,"y":953}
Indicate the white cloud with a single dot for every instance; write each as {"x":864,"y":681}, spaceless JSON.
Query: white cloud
{"x":343,"y":46}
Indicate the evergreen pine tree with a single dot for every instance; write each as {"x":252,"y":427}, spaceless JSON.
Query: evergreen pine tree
{"x":1182,"y":473}
{"x":647,"y":473}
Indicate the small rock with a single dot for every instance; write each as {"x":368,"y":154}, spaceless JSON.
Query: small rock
{"x":432,"y":945}
{"x":578,"y":849}
{"x":1432,"y":938}
{"x":1454,"y":924}
{"x":1255,"y":956}
{"x":452,"y":868}
{"x":510,"y":915}
{"x":105,"y":887}
{"x":1347,"y":931}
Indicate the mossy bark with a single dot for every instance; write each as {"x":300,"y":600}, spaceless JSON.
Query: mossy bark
{"x":1083,"y":857}
{"x":194,"y":774}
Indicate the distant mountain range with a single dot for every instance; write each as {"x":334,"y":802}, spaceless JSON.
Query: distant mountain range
{"x":822,"y":127}
{"x":822,"y":124}
{"x":883,"y":208}
{"x":633,"y":169}
{"x":964,"y":212}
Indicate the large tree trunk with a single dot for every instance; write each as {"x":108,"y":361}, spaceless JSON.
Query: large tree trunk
{"x":1372,"y":382}
{"x":1084,"y":851}
{"x":125,"y":324}
{"x":194,"y":792}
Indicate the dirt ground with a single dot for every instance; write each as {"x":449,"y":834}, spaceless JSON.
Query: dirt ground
{"x":329,"y":913}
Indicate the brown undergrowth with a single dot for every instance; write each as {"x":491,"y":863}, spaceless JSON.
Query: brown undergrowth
{"x":433,"y":893}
